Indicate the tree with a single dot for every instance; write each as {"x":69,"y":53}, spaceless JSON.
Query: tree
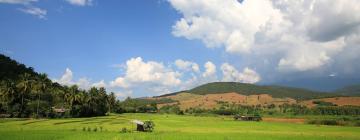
{"x":111,"y":99}
{"x":25,"y":87}
{"x":71,"y":95}
{"x":42,"y":83}
{"x":7,"y":92}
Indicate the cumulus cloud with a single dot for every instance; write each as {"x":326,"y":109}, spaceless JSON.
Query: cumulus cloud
{"x":84,"y":83}
{"x":231,"y":74}
{"x":99,"y":84}
{"x":123,"y":94}
{"x":66,"y":78}
{"x":297,"y":35}
{"x":210,"y":69}
{"x":40,"y":13}
{"x":80,"y":2}
{"x":187,"y":65}
{"x":138,"y":71}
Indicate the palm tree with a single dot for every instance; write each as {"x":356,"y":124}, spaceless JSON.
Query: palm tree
{"x":70,"y":95}
{"x":42,"y":83}
{"x":110,"y":100}
{"x":7,"y":91}
{"x":25,"y":87}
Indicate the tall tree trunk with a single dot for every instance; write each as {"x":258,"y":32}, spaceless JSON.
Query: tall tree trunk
{"x":37,"y":108}
{"x":22,"y":105}
{"x":109,"y":108}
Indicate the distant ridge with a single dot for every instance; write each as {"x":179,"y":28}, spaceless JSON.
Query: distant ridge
{"x":251,"y":89}
{"x":353,"y":90}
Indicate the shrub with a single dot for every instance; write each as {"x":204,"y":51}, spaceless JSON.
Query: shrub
{"x":124,"y":130}
{"x":323,"y":122}
{"x":357,"y":123}
{"x":149,"y":126}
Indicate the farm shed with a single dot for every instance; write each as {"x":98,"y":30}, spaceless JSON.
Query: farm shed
{"x":139,"y":125}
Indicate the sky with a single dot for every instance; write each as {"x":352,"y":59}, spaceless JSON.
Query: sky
{"x":152,"y":47}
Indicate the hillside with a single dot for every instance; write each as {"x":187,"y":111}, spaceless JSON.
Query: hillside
{"x":353,"y":90}
{"x":251,"y":89}
{"x":10,"y":69}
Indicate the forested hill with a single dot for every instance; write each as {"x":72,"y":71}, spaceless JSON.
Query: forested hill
{"x":250,"y":89}
{"x":26,"y":93}
{"x":11,"y":70}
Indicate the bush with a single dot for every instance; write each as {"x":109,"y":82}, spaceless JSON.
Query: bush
{"x":124,"y":130}
{"x":324,"y":122}
{"x":357,"y":123}
{"x":149,"y":126}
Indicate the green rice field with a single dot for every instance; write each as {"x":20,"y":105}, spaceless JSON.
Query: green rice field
{"x":168,"y":127}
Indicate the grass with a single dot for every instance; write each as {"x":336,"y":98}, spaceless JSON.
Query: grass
{"x":168,"y":127}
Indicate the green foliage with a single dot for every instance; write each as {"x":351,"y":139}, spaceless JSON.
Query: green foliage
{"x":25,"y":93}
{"x":171,"y":109}
{"x":149,"y":126}
{"x":140,"y":105}
{"x":323,"y":103}
{"x":124,"y":130}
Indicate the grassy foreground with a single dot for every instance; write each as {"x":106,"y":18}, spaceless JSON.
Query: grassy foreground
{"x":168,"y":127}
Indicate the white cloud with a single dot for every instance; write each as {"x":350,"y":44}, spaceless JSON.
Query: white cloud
{"x":28,"y":8}
{"x":66,"y":78}
{"x":210,"y":69}
{"x":298,"y":35}
{"x":17,"y":1}
{"x":83,"y":83}
{"x":187,"y":65}
{"x":231,"y":74}
{"x":138,"y":71}
{"x":80,"y":2}
{"x":99,"y":84}
{"x":40,"y":13}
{"x":123,"y":94}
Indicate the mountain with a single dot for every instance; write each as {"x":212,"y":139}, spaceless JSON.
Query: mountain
{"x":251,"y":89}
{"x":213,"y":95}
{"x":353,"y":90}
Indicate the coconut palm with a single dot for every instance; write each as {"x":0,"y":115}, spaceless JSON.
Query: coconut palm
{"x":25,"y":86}
{"x":71,"y":95}
{"x":7,"y":91}
{"x":42,"y":84}
{"x":110,"y":100}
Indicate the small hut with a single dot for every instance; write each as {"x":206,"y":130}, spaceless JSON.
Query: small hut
{"x":139,"y":125}
{"x":146,"y":126}
{"x":248,"y":118}
{"x":59,"y":111}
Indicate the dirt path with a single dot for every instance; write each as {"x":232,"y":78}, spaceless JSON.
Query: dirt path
{"x":285,"y":120}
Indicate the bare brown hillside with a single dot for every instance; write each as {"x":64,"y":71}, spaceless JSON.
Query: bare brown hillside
{"x":209,"y":101}
{"x":340,"y":101}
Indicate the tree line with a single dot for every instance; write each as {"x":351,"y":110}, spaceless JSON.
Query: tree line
{"x":37,"y":96}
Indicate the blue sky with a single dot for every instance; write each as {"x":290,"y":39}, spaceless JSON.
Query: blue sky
{"x":151,"y":47}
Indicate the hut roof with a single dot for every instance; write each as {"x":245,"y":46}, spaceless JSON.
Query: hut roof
{"x":137,"y":122}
